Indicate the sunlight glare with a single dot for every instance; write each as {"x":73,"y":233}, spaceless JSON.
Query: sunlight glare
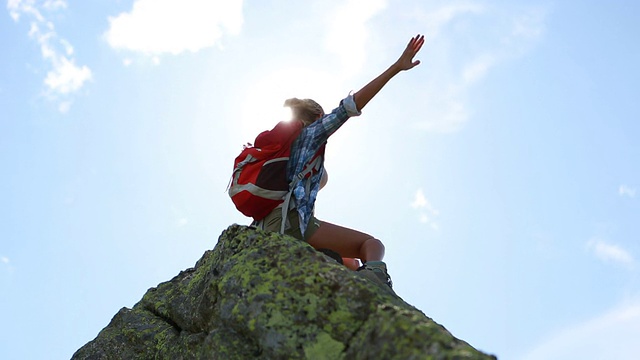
{"x":263,"y":106}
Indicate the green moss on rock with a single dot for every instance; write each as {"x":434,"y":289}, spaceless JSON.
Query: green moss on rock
{"x":263,"y":295}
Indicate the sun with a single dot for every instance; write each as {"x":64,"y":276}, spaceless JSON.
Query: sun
{"x":263,"y":105}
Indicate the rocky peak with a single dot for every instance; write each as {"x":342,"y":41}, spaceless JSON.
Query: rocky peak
{"x":268,"y":296}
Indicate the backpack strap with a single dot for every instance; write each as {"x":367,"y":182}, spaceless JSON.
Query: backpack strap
{"x":288,"y":204}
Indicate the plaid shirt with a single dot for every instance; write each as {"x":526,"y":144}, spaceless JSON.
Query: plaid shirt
{"x":304,"y":149}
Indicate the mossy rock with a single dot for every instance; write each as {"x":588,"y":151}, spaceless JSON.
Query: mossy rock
{"x":268,"y":296}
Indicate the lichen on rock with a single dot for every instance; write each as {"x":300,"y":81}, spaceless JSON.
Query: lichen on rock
{"x":269,"y":296}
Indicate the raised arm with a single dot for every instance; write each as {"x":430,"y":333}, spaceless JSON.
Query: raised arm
{"x":405,"y":62}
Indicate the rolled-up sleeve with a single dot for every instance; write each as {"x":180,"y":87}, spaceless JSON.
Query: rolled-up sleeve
{"x":334,"y":120}
{"x":315,"y":135}
{"x":349,"y":104}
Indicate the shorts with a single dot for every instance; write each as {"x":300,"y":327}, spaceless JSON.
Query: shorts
{"x":273,"y":222}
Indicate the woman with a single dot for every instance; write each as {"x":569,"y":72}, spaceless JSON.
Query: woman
{"x":307,"y":153}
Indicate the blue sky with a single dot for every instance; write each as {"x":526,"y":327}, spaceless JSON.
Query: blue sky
{"x":502,"y":173}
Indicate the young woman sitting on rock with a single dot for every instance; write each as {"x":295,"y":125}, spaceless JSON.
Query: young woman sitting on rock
{"x":308,"y":150}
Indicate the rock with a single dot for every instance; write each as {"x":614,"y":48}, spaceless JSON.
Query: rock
{"x":268,"y":296}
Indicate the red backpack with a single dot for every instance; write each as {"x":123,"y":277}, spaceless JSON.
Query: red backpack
{"x":259,"y":181}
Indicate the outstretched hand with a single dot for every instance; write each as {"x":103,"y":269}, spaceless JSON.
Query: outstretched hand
{"x":406,"y":62}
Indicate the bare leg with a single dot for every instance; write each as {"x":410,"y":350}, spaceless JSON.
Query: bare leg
{"x":347,"y":242}
{"x":351,"y":263}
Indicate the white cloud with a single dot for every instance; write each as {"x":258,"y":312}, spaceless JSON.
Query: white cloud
{"x":426,"y":219}
{"x":625,"y":190}
{"x":437,"y":19}
{"x":446,"y":112}
{"x":610,"y":252}
{"x":155,"y":27}
{"x":464,"y":43}
{"x":419,"y":200}
{"x":478,"y":68}
{"x":65,"y":77}
{"x":426,"y":212}
{"x":6,"y":263}
{"x":348,"y":31}
{"x":55,"y":4}
{"x":16,"y":7}
{"x":613,"y":335}
{"x":528,"y":25}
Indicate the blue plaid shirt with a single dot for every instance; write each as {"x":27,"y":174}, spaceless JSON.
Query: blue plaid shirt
{"x":303,"y":150}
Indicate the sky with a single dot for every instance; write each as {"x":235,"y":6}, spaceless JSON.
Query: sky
{"x":502,"y":173}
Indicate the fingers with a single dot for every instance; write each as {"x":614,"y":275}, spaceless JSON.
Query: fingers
{"x":406,"y":59}
{"x":416,"y":43}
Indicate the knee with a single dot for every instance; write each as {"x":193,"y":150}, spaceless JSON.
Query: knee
{"x":372,"y":249}
{"x":373,"y":242}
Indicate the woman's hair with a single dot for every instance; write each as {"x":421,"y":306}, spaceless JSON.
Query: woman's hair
{"x":305,"y":110}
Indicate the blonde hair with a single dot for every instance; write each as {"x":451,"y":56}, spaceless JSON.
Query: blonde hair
{"x":305,"y":110}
